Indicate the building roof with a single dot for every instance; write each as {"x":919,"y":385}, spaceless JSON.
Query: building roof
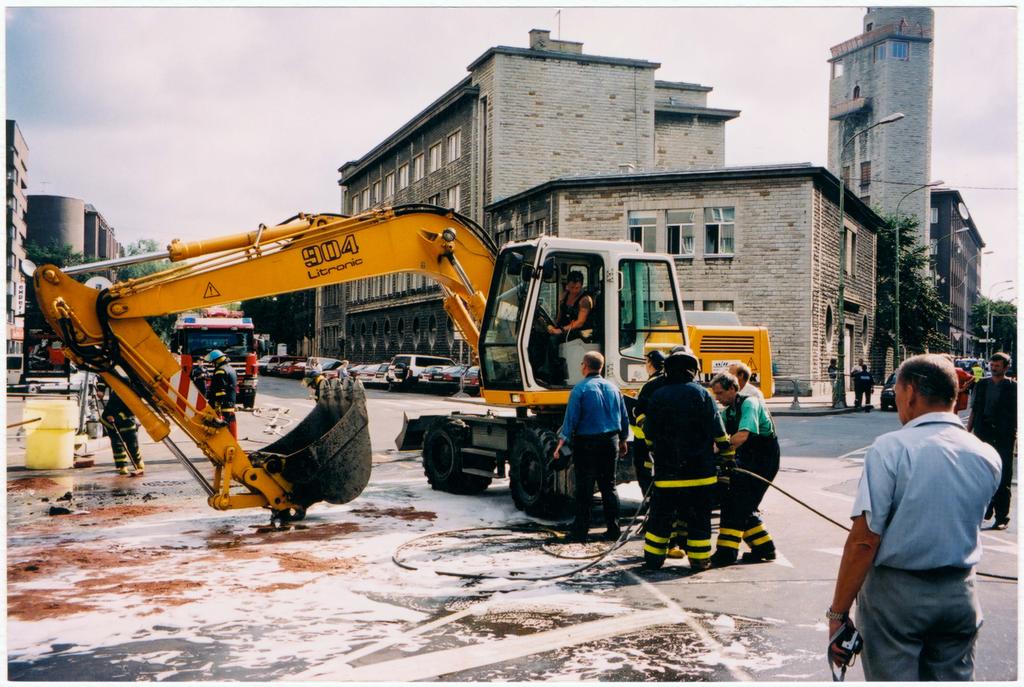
{"x":956,"y":199}
{"x":682,"y":86}
{"x":824,"y":179}
{"x":556,"y":55}
{"x":708,"y":112}
{"x":453,"y":95}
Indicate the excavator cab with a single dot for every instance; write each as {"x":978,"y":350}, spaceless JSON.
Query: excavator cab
{"x":628,"y":304}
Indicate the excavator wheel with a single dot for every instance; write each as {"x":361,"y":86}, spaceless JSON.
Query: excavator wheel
{"x":442,"y":458}
{"x":531,"y":479}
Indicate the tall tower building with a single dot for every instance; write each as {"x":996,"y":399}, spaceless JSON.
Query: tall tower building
{"x":885,"y":70}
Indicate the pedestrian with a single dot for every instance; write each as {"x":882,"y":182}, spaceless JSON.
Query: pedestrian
{"x":223,"y":388}
{"x":596,"y":426}
{"x":909,"y":558}
{"x":314,"y":379}
{"x":863,"y":384}
{"x":833,"y":369}
{"x":684,"y":424}
{"x":752,"y":435}
{"x":743,"y":374}
{"x":642,"y":461}
{"x":965,"y":384}
{"x":343,"y":370}
{"x":994,"y":420}
{"x":977,"y":370}
{"x":119,"y":423}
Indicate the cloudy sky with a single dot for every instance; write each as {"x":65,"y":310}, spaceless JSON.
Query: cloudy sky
{"x":189,"y":122}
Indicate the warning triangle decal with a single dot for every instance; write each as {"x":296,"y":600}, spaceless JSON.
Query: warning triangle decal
{"x":211,"y":290}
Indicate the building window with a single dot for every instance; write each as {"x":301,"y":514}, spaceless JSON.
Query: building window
{"x":376,"y":192}
{"x":403,"y":176}
{"x":434,"y":155}
{"x":829,"y":327}
{"x":454,"y":197}
{"x":869,"y":26}
{"x":366,"y":199}
{"x":679,"y":230}
{"x":856,"y":92}
{"x":718,"y":306}
{"x":846,"y":175}
{"x":688,"y":306}
{"x":851,"y":252}
{"x":389,"y":185}
{"x":541,"y":226}
{"x":900,"y":50}
{"x":837,"y":70}
{"x":355,"y":204}
{"x":434,"y":199}
{"x":454,"y":146}
{"x":719,"y":230}
{"x":879,"y":52}
{"x":417,"y":167}
{"x":935,"y":215}
{"x":432,"y":331}
{"x":642,"y":227}
{"x":865,"y":175}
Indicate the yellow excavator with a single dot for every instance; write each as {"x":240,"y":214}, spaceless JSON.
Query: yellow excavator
{"x":501,"y":301}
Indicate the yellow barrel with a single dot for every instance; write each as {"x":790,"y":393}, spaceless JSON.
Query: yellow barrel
{"x":50,"y":444}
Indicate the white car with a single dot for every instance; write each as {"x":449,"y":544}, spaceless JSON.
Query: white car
{"x":405,"y":370}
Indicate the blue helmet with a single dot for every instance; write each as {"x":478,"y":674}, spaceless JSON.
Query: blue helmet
{"x":214,"y":355}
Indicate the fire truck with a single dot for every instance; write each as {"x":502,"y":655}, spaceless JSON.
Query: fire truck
{"x":196,"y":334}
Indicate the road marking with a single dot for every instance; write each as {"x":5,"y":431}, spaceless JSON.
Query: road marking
{"x":842,"y":497}
{"x":831,"y":552}
{"x":691,"y":622}
{"x":782,"y":560}
{"x":450,"y":661}
{"x":862,"y":449}
{"x":1007,"y":549}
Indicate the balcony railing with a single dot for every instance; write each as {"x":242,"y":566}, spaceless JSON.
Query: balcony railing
{"x":901,"y":28}
{"x":848,"y":107}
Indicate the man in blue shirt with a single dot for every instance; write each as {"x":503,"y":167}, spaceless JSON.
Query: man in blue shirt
{"x":910,"y":556}
{"x":596,"y":425}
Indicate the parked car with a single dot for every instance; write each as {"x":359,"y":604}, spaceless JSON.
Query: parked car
{"x":404,"y":370}
{"x":428,"y":375}
{"x":268,"y":361}
{"x":471,"y":381}
{"x":887,"y":401}
{"x":274,"y":367}
{"x":446,"y":380}
{"x":363,"y":372}
{"x":294,"y":369}
{"x":380,"y":375}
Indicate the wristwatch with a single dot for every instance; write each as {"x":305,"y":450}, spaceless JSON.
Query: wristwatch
{"x":832,"y":615}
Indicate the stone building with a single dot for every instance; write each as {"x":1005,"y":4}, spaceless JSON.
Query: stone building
{"x":17,"y":182}
{"x":884,"y":70}
{"x":760,"y":241}
{"x":523,"y":116}
{"x":956,"y":249}
{"x":100,"y":241}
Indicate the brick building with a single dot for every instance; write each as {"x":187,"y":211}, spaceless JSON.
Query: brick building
{"x":760,"y":241}
{"x":17,"y":182}
{"x":884,"y":70}
{"x":522,"y":117}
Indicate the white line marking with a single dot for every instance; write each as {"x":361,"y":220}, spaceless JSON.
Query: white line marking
{"x":691,"y":622}
{"x":842,"y":497}
{"x":782,"y":560}
{"x":863,"y":449}
{"x":831,"y":552}
{"x":449,"y":661}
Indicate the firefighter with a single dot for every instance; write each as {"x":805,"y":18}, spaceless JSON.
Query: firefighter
{"x":313,"y":379}
{"x":223,"y":387}
{"x":684,"y":425}
{"x":119,"y":423}
{"x":642,"y":460}
{"x":757,"y":449}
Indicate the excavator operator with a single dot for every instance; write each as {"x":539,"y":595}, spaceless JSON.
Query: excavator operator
{"x":572,"y":322}
{"x":223,"y":386}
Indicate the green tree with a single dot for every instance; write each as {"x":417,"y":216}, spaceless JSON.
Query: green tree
{"x":50,"y":253}
{"x":284,"y":317}
{"x":921,"y":309}
{"x":1004,"y":323}
{"x":163,"y":325}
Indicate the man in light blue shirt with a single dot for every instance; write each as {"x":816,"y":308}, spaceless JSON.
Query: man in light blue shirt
{"x":910,"y":556}
{"x":596,"y":425}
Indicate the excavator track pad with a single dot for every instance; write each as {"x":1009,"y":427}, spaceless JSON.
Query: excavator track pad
{"x":327,"y":457}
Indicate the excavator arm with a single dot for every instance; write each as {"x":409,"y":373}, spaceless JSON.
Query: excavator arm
{"x":107,"y":331}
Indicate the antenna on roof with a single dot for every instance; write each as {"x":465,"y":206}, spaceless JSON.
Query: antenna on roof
{"x":558,"y":14}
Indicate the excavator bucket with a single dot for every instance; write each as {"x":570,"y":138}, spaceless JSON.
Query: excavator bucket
{"x":327,"y":457}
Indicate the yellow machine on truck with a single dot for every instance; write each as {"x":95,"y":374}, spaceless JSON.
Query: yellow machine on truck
{"x":501,"y":301}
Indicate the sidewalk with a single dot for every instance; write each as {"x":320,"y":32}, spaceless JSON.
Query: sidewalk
{"x":782,"y":406}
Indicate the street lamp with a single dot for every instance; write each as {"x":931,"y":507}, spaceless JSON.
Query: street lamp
{"x":896,"y":357}
{"x":839,"y":388}
{"x":967,"y":279}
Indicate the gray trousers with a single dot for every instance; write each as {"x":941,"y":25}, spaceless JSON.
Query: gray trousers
{"x":918,"y":626}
